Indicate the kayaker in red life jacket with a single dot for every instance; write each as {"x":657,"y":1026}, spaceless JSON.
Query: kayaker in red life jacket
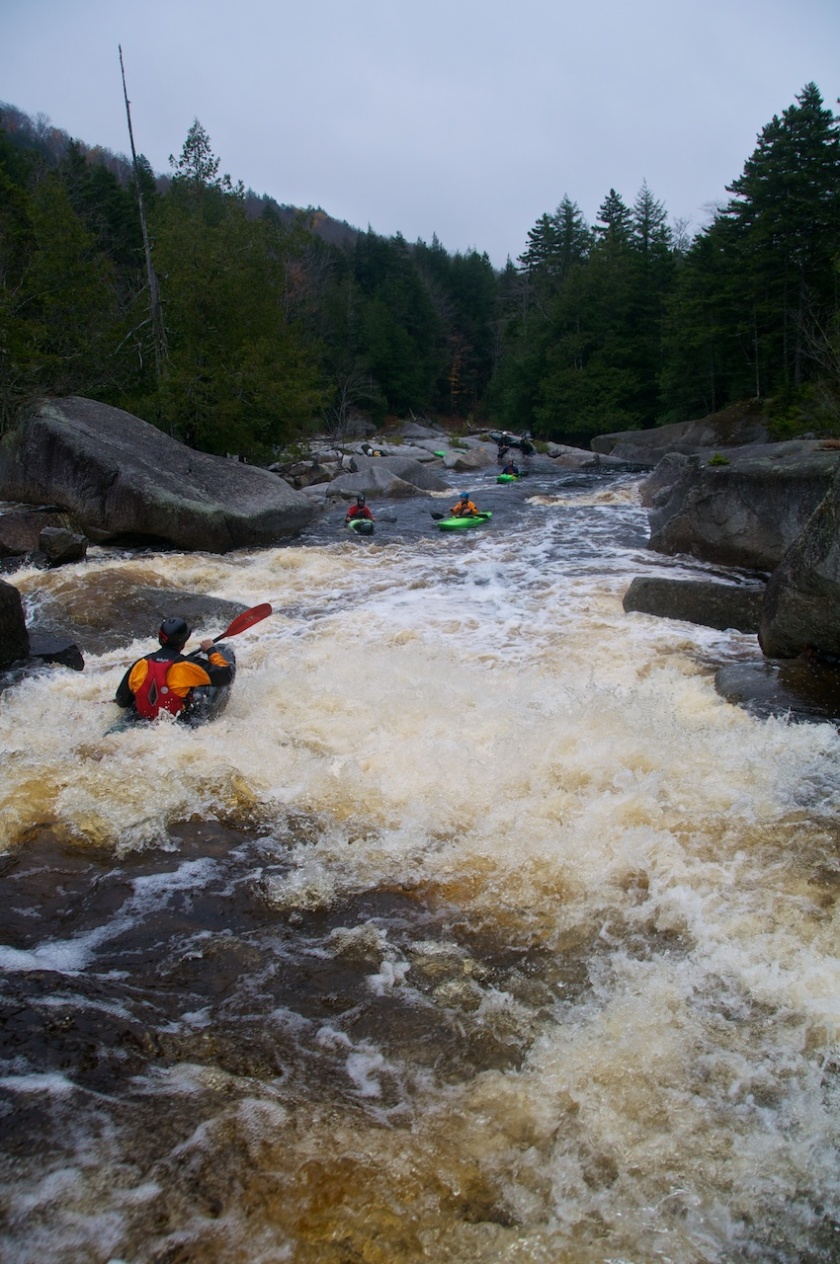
{"x":510,"y":468}
{"x":359,"y":510}
{"x":166,"y":679}
{"x":465,"y":507}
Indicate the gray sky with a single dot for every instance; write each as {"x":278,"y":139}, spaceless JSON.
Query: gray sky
{"x":465,"y":118}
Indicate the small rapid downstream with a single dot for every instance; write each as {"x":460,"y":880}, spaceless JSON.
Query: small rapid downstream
{"x":479,"y":928}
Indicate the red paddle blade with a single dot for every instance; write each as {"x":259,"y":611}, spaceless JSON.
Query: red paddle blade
{"x":245,"y":620}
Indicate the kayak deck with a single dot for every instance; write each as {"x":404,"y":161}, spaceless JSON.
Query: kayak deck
{"x":457,"y":524}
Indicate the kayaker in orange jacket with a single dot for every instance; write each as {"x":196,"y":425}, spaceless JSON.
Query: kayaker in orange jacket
{"x":165,"y":679}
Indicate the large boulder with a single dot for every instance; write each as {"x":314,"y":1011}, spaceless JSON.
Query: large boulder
{"x":14,"y":638}
{"x":802,"y":604}
{"x":119,"y":476}
{"x":744,"y":509}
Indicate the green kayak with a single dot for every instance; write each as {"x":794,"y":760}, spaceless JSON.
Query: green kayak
{"x":507,"y":478}
{"x":457,"y":524}
{"x":360,"y":526}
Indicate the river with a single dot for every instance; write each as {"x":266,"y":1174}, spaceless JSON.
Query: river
{"x":479,"y":928}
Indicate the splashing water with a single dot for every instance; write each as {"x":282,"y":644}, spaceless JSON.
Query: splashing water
{"x":478,"y":928}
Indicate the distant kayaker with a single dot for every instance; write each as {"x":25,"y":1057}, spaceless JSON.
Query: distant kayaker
{"x":168,"y":680}
{"x":359,"y":510}
{"x":464,"y":508}
{"x":510,"y":468}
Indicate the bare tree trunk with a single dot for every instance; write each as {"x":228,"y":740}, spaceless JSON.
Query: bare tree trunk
{"x":156,"y":311}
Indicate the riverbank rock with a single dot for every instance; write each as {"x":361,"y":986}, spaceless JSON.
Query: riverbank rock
{"x":802,"y":606}
{"x":737,"y":426}
{"x":14,"y":638}
{"x":744,"y":510}
{"x":119,"y":476}
{"x":714,"y":605}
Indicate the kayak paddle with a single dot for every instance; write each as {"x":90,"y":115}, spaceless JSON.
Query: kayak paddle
{"x":245,"y":620}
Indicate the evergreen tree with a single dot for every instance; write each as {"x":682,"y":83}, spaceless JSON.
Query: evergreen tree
{"x":760,"y":282}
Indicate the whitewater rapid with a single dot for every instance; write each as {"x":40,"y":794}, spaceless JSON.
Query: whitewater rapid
{"x":478,"y":928}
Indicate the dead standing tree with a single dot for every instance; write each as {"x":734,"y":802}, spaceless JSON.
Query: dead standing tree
{"x":155,"y":308}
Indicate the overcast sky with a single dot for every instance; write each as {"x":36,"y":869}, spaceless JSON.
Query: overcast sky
{"x":464,"y":118}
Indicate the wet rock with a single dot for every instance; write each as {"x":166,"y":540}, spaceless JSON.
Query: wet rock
{"x":802,"y":606}
{"x":119,"y":476}
{"x":102,"y":610}
{"x":56,"y":649}
{"x":797,"y":689}
{"x":714,"y":605}
{"x":14,"y":638}
{"x":60,"y":545}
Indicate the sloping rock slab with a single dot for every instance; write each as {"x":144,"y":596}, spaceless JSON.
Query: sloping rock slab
{"x":119,"y":476}
{"x":711,"y":604}
{"x":734,"y":427}
{"x":802,"y":606}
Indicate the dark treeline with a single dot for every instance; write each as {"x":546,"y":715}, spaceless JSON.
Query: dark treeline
{"x":276,"y":322}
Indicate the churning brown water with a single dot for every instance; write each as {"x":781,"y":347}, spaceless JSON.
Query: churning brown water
{"x":479,"y":928}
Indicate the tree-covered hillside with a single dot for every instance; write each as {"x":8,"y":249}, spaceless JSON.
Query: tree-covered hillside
{"x":248,"y":324}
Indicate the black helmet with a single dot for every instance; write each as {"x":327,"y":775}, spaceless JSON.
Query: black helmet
{"x":174,"y":632}
{"x":360,"y":500}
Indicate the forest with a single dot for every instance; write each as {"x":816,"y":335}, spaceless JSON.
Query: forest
{"x":240,"y":325}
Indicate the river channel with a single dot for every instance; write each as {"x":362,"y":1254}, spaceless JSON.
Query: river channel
{"x":480,"y":928}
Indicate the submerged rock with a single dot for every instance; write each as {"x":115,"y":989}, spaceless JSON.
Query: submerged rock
{"x":797,"y":690}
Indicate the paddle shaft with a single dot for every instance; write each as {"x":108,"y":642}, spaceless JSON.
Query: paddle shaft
{"x":245,"y":620}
